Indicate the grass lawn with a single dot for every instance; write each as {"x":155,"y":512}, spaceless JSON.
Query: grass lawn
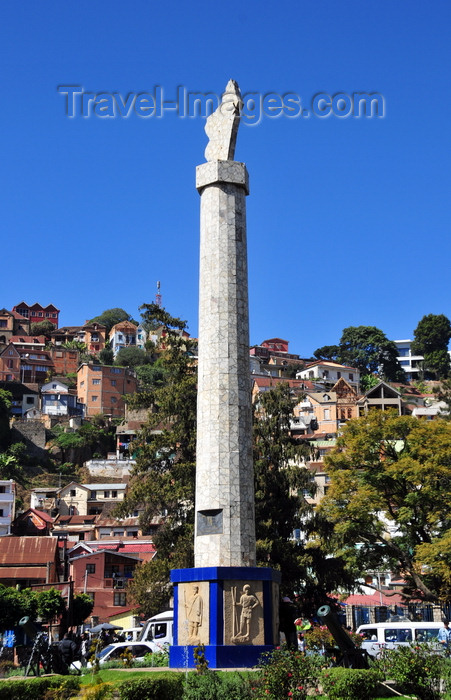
{"x":111,"y":675}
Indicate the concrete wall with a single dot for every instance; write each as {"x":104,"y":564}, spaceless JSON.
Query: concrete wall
{"x":110,"y":468}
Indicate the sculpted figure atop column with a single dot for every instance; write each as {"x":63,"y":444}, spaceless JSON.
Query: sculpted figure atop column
{"x":222,"y":126}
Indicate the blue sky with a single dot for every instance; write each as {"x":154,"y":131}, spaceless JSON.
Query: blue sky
{"x":348,"y":219}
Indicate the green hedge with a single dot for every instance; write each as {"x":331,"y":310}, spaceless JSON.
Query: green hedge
{"x":349,"y":683}
{"x":151,"y":688}
{"x":35,"y":688}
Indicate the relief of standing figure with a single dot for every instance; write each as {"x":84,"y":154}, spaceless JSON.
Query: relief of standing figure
{"x":194,"y":612}
{"x":247,"y":602}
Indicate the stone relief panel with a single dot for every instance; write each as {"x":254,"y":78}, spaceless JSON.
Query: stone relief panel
{"x":193,"y":617}
{"x":243,"y":612}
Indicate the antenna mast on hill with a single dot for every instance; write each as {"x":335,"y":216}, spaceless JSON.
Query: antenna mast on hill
{"x":158,"y":295}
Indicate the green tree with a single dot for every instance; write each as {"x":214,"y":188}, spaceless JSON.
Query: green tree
{"x":131,"y":357}
{"x":14,"y":605}
{"x":279,"y":482}
{"x":150,"y":375}
{"x":82,"y":607}
{"x":388,"y":499}
{"x":106,"y":356}
{"x":327,"y":352}
{"x":431,"y":338}
{"x":110,"y":317}
{"x":42,"y":328}
{"x":5,"y":405}
{"x":368,"y":349}
{"x":281,"y":479}
{"x":10,"y":468}
{"x":50,"y":604}
{"x":163,"y":479}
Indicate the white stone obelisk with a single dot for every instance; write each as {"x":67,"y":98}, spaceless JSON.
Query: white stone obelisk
{"x":225,"y":520}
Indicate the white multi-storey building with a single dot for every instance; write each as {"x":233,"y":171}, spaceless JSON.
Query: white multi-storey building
{"x":125,"y":335}
{"x":411,"y":364}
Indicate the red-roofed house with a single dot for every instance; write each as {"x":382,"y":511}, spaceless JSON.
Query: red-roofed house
{"x":32,"y":522}
{"x":28,"y":560}
{"x":37,"y":313}
{"x":103,"y":575}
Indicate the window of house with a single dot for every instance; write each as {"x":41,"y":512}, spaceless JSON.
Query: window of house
{"x":96,"y":381}
{"x":94,"y":398}
{"x":58,"y":353}
{"x":30,"y":400}
{"x":10,"y":364}
{"x":113,"y":382}
{"x":106,"y":494}
{"x":91,"y":595}
{"x":120,"y":599}
{"x":118,"y":533}
{"x":90,"y":568}
{"x":1,"y":512}
{"x":47,"y":315}
{"x":82,"y":383}
{"x":116,"y":370}
{"x":338,"y":375}
{"x":351,"y":376}
{"x":349,"y":412}
{"x":113,"y":494}
{"x":53,"y":315}
{"x":72,"y":493}
{"x":3,"y":324}
{"x":93,"y":495}
{"x":94,"y":338}
{"x":128,"y":570}
{"x":327,"y":414}
{"x":96,"y":368}
{"x":113,"y":399}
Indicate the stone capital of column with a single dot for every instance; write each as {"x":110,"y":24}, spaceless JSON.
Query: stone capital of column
{"x":217,"y":171}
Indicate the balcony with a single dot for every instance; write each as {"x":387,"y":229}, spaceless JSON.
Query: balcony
{"x":6,"y":497}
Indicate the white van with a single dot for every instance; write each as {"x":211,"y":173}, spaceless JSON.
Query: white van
{"x":389,"y":635}
{"x":158,"y":630}
{"x":131,"y":634}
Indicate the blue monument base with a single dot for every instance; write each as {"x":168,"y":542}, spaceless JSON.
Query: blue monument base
{"x":231,"y":611}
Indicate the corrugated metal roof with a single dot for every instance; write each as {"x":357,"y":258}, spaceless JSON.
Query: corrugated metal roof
{"x":27,"y":550}
{"x":108,"y":487}
{"x":32,"y":572}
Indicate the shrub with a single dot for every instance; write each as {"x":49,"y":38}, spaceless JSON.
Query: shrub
{"x":417,"y":670}
{"x":349,"y":683}
{"x":152,"y":688}
{"x":36,"y":688}
{"x":157,"y":658}
{"x":6,"y":667}
{"x":287,"y":674}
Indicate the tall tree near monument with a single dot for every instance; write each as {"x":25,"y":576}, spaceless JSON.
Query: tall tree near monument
{"x":281,"y":508}
{"x":388,"y":500}
{"x":368,"y":349}
{"x":164,"y":477}
{"x":431,"y":338}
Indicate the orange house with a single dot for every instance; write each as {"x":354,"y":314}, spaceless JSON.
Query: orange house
{"x":102,"y":387}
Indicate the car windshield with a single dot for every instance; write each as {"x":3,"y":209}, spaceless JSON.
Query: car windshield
{"x":105,"y":651}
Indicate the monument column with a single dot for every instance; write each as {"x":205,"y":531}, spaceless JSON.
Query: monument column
{"x":225,"y":523}
{"x":225,"y":602}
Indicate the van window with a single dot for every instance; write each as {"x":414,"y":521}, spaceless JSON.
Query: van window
{"x":369,"y":634}
{"x":426,"y":634}
{"x":397,"y":635}
{"x":160,"y":630}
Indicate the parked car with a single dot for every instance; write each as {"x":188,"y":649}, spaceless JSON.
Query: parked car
{"x":112,"y":652}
